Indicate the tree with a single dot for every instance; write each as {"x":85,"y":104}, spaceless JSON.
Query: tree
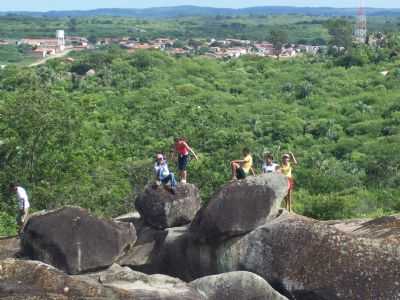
{"x":195,"y":43}
{"x":72,"y":25}
{"x":92,"y":39}
{"x":178,"y":44}
{"x":278,"y":38}
{"x":341,"y":33}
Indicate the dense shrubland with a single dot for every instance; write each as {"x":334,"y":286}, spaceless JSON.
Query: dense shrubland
{"x":90,"y":140}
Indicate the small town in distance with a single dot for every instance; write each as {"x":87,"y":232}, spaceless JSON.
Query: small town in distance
{"x":213,"y":48}
{"x":227,"y":48}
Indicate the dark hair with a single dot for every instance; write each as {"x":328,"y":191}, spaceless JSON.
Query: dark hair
{"x":269,"y":155}
{"x":181,"y":138}
{"x":13,"y":185}
{"x":246,"y":151}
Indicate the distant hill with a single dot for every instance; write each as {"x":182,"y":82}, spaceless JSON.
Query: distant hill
{"x":181,"y":11}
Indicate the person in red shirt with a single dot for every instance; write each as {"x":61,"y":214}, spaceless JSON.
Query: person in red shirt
{"x":183,"y":149}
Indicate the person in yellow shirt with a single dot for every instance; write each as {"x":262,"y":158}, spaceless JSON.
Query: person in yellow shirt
{"x":286,"y":169}
{"x":242,"y":167}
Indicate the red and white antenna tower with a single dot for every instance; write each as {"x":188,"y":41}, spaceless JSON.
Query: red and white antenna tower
{"x":360,"y":31}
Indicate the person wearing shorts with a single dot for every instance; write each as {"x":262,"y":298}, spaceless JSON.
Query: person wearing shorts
{"x":183,"y":149}
{"x":242,"y":167}
{"x":286,"y":169}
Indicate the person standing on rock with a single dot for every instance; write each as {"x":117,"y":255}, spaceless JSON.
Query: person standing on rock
{"x":163,"y":175}
{"x":242,"y":167}
{"x":286,"y":169}
{"x":183,"y":149}
{"x":269,"y":166}
{"x":23,"y":205}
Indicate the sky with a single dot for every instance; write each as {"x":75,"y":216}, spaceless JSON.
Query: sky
{"x":45,"y":5}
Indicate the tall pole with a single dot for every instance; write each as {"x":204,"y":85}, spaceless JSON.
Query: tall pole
{"x":360,"y":31}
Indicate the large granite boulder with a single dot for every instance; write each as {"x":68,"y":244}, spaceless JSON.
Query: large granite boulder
{"x":236,"y":285}
{"x":74,"y":241}
{"x":300,"y":257}
{"x":313,"y":260}
{"x":143,"y":286}
{"x":34,"y":280}
{"x":23,"y":279}
{"x":239,"y":207}
{"x":162,"y":209}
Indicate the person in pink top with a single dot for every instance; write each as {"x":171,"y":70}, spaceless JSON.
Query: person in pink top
{"x":183,"y":149}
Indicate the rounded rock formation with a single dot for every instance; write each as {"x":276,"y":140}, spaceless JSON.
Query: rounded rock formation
{"x":239,"y":207}
{"x":162,"y":209}
{"x":236,"y":285}
{"x":74,"y":241}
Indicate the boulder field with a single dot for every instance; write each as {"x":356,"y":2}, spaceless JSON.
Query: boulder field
{"x":240,"y":245}
{"x":34,"y":280}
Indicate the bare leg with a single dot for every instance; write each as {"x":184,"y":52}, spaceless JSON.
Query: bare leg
{"x":184,"y":176}
{"x":289,"y":200}
{"x":234,"y":167}
{"x":22,"y":220}
{"x":181,"y":174}
{"x":286,"y":202}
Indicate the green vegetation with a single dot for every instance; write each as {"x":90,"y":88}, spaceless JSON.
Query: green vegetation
{"x":300,"y":28}
{"x":90,"y":140}
{"x":15,"y":54}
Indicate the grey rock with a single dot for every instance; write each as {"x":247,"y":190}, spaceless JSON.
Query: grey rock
{"x":146,"y":254}
{"x":9,"y":247}
{"x":74,"y":241}
{"x":34,"y":280}
{"x":132,"y":217}
{"x":144,"y":286}
{"x":161,"y":209}
{"x":239,"y":207}
{"x":24,"y":279}
{"x":300,"y":257}
{"x":307,"y":257}
{"x":236,"y":286}
{"x":385,"y":228}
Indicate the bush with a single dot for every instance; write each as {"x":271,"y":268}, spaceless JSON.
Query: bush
{"x":8,"y":225}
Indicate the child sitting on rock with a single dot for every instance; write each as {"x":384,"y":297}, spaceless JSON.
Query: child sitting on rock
{"x":163,"y":175}
{"x":242,"y":167}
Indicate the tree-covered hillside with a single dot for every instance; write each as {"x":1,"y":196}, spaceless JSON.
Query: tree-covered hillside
{"x":190,"y":10}
{"x":300,"y":28}
{"x":70,"y":138}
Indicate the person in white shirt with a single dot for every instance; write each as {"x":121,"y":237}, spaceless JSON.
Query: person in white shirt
{"x":163,"y":175}
{"x":23,"y":205}
{"x":269,"y":166}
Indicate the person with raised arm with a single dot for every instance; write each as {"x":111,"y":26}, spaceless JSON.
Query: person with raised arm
{"x":286,"y":169}
{"x":183,"y":149}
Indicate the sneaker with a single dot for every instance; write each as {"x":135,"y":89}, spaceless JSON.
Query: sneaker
{"x":173,"y":191}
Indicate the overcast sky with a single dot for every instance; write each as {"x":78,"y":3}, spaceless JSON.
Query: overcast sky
{"x":44,"y":5}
